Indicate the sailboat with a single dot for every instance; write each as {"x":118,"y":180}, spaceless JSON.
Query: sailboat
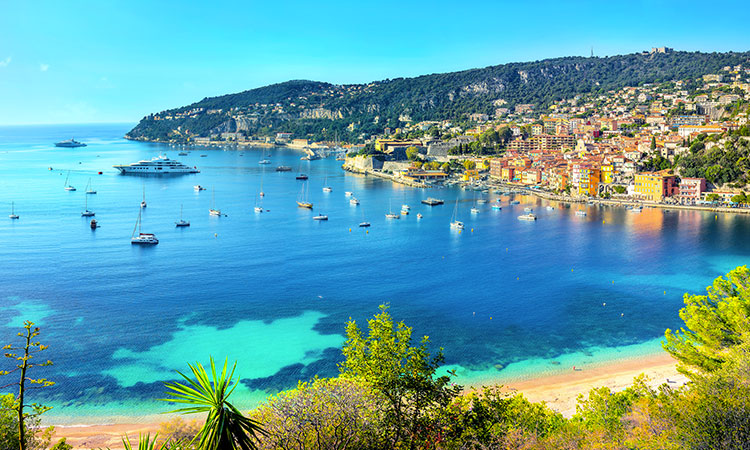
{"x":89,"y":188}
{"x":13,"y":214}
{"x":262,"y":194}
{"x":142,"y":238}
{"x":303,"y":202}
{"x":326,"y":188}
{"x":143,"y":202}
{"x":390,"y":214}
{"x":258,"y":207}
{"x":67,"y":186}
{"x":455,"y":223}
{"x":213,"y":211}
{"x":364,"y":223}
{"x":86,"y":212}
{"x":181,"y":222}
{"x":263,"y":159}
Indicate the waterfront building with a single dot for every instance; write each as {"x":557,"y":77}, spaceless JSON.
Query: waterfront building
{"x":655,"y":186}
{"x":692,"y":189}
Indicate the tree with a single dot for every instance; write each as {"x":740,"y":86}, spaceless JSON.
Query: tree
{"x":739,"y":198}
{"x":412,"y":153}
{"x":470,"y":165}
{"x":714,"y":324}
{"x":225,"y":428}
{"x":23,"y":365}
{"x":329,"y":413}
{"x":713,"y":197}
{"x":653,"y":142}
{"x":446,"y":167}
{"x":405,"y":376}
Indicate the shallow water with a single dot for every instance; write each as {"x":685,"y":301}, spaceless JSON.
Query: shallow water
{"x":273,"y":291}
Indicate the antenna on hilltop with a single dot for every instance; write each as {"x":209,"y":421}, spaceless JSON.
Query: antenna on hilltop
{"x":592,"y":51}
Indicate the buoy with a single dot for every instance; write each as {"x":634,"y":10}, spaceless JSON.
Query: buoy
{"x":665,"y":292}
{"x":517,"y":278}
{"x":216,"y":235}
{"x":367,"y":231}
{"x":474,"y":313}
{"x":622,"y":314}
{"x":350,"y":230}
{"x":506,"y":249}
{"x":604,"y":221}
{"x":472,"y":230}
{"x":490,"y":317}
{"x":604,"y":304}
{"x":571,"y":270}
{"x":613,"y":281}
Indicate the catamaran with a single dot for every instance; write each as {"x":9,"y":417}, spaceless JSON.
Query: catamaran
{"x":390,"y":214}
{"x":13,"y":214}
{"x":142,"y":238}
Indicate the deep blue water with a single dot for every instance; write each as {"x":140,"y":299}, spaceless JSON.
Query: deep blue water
{"x":273,"y":291}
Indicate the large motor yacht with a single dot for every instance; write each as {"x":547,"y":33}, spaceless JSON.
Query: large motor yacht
{"x":156,"y":166}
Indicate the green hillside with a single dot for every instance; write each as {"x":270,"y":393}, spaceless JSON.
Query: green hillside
{"x":323,"y":110}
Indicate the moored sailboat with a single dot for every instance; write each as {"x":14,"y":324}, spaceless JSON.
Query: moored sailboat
{"x":142,"y":238}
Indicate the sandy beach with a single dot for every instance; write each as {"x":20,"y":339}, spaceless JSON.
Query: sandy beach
{"x":558,"y":391}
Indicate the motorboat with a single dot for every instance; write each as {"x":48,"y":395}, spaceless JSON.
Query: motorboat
{"x":159,"y":165}
{"x":348,"y":193}
{"x":70,"y":143}
{"x":497,"y":207}
{"x":320,"y":217}
{"x":301,"y":176}
{"x":327,"y":189}
{"x":527,"y":209}
{"x":258,"y":209}
{"x":528,"y":217}
{"x":419,"y":215}
{"x":364,"y":224}
{"x":474,"y":210}
{"x":94,"y":224}
{"x":392,"y":216}
{"x":198,"y":187}
{"x":354,"y":201}
{"x":432,"y":201}
{"x":283,"y":169}
{"x":580,"y":212}
{"x":405,"y":207}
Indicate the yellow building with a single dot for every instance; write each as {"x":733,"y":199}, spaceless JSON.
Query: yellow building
{"x":607,"y":173}
{"x":654,"y":186}
{"x":470,"y":174}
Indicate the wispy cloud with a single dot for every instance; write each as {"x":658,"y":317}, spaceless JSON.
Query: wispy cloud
{"x":5,"y":62}
{"x":44,"y":67}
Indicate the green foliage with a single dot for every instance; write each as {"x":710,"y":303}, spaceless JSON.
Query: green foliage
{"x":713,"y":197}
{"x":714,"y":324}
{"x":225,"y":428}
{"x":718,"y":165}
{"x":740,"y":198}
{"x":412,"y":153}
{"x":405,"y":376}
{"x":604,"y":409}
{"x":62,"y":445}
{"x":655,"y":164}
{"x":470,"y":165}
{"x":335,"y":413}
{"x":23,"y":364}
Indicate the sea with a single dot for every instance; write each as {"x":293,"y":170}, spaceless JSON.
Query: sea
{"x":273,"y":291}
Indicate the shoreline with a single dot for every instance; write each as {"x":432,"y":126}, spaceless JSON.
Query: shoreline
{"x":559,"y":391}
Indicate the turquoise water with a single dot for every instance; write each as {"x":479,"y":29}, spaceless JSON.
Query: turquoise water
{"x":504,"y":298}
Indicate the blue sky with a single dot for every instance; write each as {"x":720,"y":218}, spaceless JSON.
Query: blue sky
{"x":101,"y":61}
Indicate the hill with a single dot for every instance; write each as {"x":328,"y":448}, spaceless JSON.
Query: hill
{"x":322,"y":110}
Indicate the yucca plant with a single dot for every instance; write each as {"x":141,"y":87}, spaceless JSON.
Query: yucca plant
{"x":146,"y":443}
{"x":225,"y":428}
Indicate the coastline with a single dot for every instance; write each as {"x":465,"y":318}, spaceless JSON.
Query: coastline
{"x":559,"y":391}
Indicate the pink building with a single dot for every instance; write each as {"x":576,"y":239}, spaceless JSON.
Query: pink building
{"x":691,"y":189}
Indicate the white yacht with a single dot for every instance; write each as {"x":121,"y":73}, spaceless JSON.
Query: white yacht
{"x":142,"y":238}
{"x":457,"y":224}
{"x":580,"y":212}
{"x":320,"y":217}
{"x":156,"y":166}
{"x":354,"y":201}
{"x":529,"y":217}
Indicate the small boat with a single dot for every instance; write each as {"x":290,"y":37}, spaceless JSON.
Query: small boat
{"x":13,"y":214}
{"x":68,"y":187}
{"x":182,"y":154}
{"x":203,"y":156}
{"x":527,"y":209}
{"x":283,"y":169}
{"x":529,"y":217}
{"x":264,"y":161}
{"x":419,"y":215}
{"x":432,"y":201}
{"x":302,"y":201}
{"x":320,"y":217}
{"x":181,"y":222}
{"x":390,"y":214}
{"x":580,"y":212}
{"x":354,"y":201}
{"x":636,"y":210}
{"x":305,"y":205}
{"x":497,"y":207}
{"x":258,"y":209}
{"x":198,"y":187}
{"x":455,"y":223}
{"x":364,"y":224}
{"x":70,"y":143}
{"x":89,"y":188}
{"x":482,"y":201}
{"x":327,"y":189}
{"x":550,"y":208}
{"x":301,"y":176}
{"x":405,"y":207}
{"x":93,"y":224}
{"x":213,"y":211}
{"x":474,"y":210}
{"x":348,"y":193}
{"x":142,"y":238}
{"x":86,"y":212}
{"x":404,"y":212}
{"x":514,"y":202}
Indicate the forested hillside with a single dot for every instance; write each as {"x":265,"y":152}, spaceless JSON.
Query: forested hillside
{"x":322,"y":110}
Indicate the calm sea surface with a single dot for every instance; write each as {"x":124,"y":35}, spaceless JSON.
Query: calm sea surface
{"x":273,"y":291}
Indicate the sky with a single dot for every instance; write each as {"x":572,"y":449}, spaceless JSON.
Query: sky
{"x":105,"y":61}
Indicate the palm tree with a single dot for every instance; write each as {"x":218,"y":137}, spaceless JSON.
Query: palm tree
{"x":225,"y":428}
